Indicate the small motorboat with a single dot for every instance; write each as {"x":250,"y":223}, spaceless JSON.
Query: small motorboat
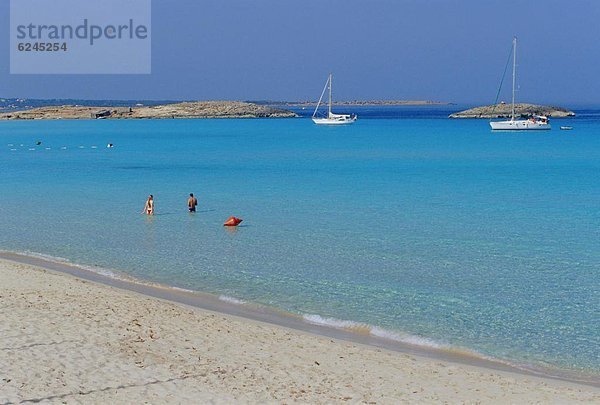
{"x":566,"y":128}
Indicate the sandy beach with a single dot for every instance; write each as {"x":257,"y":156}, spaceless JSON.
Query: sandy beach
{"x":65,"y":339}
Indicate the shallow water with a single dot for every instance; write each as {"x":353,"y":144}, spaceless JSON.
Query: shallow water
{"x":430,"y":230}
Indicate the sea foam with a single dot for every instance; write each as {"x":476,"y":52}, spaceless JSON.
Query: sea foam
{"x":373,"y":331}
{"x":231,"y":300}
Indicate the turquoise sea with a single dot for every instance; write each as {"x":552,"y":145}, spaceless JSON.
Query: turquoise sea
{"x":406,"y":224}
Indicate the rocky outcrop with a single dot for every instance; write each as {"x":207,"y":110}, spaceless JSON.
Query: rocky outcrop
{"x":198,"y":109}
{"x":503,"y":110}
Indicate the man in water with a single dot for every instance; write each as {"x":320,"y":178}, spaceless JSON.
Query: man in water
{"x":192,"y":202}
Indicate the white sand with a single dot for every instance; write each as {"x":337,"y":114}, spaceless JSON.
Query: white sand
{"x":68,"y":340}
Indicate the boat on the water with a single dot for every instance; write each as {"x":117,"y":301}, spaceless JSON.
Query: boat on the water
{"x":330,"y":118}
{"x":566,"y":128}
{"x":535,"y":122}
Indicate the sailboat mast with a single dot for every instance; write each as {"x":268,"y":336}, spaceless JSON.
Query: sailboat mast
{"x":320,"y":99}
{"x":330,"y":80}
{"x":514,"y":76}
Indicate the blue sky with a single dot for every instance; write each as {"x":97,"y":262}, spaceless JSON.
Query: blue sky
{"x":446,"y":50}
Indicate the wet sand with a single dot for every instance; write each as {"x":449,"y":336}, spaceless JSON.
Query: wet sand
{"x":65,"y":338}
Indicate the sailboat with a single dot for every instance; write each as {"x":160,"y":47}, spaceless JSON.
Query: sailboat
{"x":535,"y":122}
{"x":331,"y":118}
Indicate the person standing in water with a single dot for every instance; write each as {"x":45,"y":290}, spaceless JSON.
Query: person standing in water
{"x":149,"y":206}
{"x":192,"y":202}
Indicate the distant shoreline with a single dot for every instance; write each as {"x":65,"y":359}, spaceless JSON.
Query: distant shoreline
{"x":66,"y":109}
{"x":352,"y":103}
{"x":504,"y":110}
{"x":22,"y":104}
{"x":184,"y":110}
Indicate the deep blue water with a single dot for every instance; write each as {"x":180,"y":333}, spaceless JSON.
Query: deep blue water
{"x":430,"y":230}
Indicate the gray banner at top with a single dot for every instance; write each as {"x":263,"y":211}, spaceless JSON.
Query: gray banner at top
{"x":80,"y":37}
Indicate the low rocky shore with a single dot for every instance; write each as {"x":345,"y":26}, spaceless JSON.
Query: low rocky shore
{"x":503,"y":110}
{"x":199,"y":109}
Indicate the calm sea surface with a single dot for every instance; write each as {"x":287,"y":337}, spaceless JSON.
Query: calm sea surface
{"x":429,"y":230}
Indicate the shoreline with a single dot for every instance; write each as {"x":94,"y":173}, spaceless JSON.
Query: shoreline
{"x":191,"y":110}
{"x":66,"y":339}
{"x":503,"y":110}
{"x":230,"y":306}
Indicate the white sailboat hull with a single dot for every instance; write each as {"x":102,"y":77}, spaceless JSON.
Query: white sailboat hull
{"x":519,"y":125}
{"x":334,"y":121}
{"x":331,"y":118}
{"x":536,"y":122}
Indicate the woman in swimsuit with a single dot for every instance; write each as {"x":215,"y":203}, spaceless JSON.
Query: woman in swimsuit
{"x":149,"y":206}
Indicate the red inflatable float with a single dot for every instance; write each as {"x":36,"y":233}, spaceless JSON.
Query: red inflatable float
{"x":232,"y":221}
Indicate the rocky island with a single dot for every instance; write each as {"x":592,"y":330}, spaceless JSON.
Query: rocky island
{"x":197,"y":109}
{"x":503,"y":110}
